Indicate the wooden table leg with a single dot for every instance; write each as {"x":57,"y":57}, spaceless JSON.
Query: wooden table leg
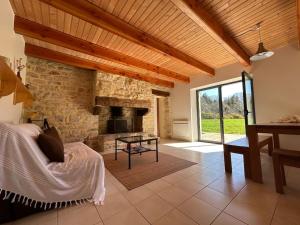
{"x":270,"y":147}
{"x":255,"y":161}
{"x":276,"y":140}
{"x":247,"y":165}
{"x":227,"y":159}
{"x":278,"y":174}
{"x":283,"y":174}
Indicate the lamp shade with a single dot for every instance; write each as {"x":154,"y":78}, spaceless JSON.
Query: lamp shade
{"x":262,"y":53}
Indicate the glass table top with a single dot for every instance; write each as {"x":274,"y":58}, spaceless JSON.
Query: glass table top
{"x":136,"y":139}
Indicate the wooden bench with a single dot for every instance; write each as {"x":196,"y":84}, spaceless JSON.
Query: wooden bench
{"x":241,"y":146}
{"x":283,"y":157}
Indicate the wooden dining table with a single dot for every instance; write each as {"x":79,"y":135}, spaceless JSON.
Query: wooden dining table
{"x":271,"y":128}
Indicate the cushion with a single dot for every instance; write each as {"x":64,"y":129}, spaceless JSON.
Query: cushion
{"x":28,"y":129}
{"x":53,"y":133}
{"x":51,"y":147}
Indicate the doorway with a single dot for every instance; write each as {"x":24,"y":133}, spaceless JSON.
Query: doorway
{"x":225,"y":110}
{"x":161,"y":117}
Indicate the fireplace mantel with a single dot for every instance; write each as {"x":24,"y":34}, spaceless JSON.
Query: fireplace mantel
{"x":102,"y":101}
{"x":121,"y":102}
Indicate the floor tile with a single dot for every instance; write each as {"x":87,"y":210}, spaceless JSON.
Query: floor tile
{"x":230,"y":186}
{"x":175,"y":217}
{"x":111,"y":189}
{"x":86,"y":215}
{"x":287,"y":210}
{"x":225,"y":219}
{"x":113,"y":205}
{"x":158,"y":185}
{"x":47,"y":218}
{"x":174,"y":195}
{"x":248,"y":213}
{"x":138,"y":194}
{"x":173,"y":178}
{"x":249,"y":202}
{"x":214,"y":198}
{"x":117,"y":184}
{"x":255,"y":204}
{"x":190,"y":186}
{"x":153,"y":208}
{"x":202,"y":179}
{"x":190,"y":170}
{"x":258,"y":194}
{"x":126,"y":217}
{"x":199,"y":211}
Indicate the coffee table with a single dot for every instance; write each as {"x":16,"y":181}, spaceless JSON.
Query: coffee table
{"x":138,"y":149}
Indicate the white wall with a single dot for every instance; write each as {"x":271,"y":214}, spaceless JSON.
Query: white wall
{"x":11,"y":46}
{"x":276,"y":87}
{"x":180,"y":104}
{"x":183,"y":96}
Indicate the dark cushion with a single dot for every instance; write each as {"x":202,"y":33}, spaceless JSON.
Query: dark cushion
{"x":51,"y":147}
{"x":53,"y":133}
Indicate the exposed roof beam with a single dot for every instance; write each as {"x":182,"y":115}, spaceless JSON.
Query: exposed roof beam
{"x":160,"y":93}
{"x":91,"y":13}
{"x":47,"y":34}
{"x":298,"y":20}
{"x":200,"y":16}
{"x":44,"y":53}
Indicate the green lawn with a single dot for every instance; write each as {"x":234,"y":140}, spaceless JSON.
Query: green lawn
{"x":231,"y":126}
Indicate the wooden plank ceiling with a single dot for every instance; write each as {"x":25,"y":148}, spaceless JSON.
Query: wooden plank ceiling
{"x":168,"y":22}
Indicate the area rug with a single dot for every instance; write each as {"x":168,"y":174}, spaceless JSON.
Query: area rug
{"x":144,"y":168}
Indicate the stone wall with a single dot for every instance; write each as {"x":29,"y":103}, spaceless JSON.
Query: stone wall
{"x":126,"y":88}
{"x":64,"y":95}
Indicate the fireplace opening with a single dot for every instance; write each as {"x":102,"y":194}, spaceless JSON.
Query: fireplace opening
{"x":117,"y":126}
{"x":125,"y":119}
{"x":116,"y":111}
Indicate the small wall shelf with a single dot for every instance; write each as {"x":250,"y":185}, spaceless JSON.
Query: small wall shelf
{"x":10,"y":83}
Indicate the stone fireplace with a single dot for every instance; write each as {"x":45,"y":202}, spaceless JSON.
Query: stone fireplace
{"x":125,"y":119}
{"x":79,"y":102}
{"x":118,"y":115}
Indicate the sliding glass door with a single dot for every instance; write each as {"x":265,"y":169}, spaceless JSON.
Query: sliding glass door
{"x":233,"y":111}
{"x":209,"y":113}
{"x":225,"y":110}
{"x":248,"y":95}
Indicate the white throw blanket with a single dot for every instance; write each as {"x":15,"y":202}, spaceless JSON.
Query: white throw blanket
{"x":27,"y":176}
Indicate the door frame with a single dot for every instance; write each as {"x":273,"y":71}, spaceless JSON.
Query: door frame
{"x":246,"y":110}
{"x":219,"y":86}
{"x":157,"y":117}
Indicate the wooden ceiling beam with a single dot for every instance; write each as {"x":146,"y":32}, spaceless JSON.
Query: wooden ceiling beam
{"x":47,"y":34}
{"x":91,"y":13}
{"x":44,"y":53}
{"x":160,"y":93}
{"x":200,"y":16}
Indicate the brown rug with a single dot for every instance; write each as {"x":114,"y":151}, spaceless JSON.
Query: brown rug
{"x":144,"y":168}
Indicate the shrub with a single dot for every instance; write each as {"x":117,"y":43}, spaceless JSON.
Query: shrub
{"x":210,"y":116}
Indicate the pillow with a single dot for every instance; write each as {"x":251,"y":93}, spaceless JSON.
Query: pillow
{"x":51,"y":147}
{"x":28,"y":129}
{"x":54,"y":133}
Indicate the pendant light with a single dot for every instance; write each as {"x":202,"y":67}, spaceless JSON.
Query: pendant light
{"x":262,"y":52}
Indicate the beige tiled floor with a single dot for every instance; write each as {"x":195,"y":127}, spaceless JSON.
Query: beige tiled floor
{"x":201,"y":194}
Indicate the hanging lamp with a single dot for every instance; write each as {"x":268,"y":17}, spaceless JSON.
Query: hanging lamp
{"x":262,"y":52}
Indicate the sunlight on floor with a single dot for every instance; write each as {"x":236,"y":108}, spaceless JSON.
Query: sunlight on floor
{"x":197,"y":146}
